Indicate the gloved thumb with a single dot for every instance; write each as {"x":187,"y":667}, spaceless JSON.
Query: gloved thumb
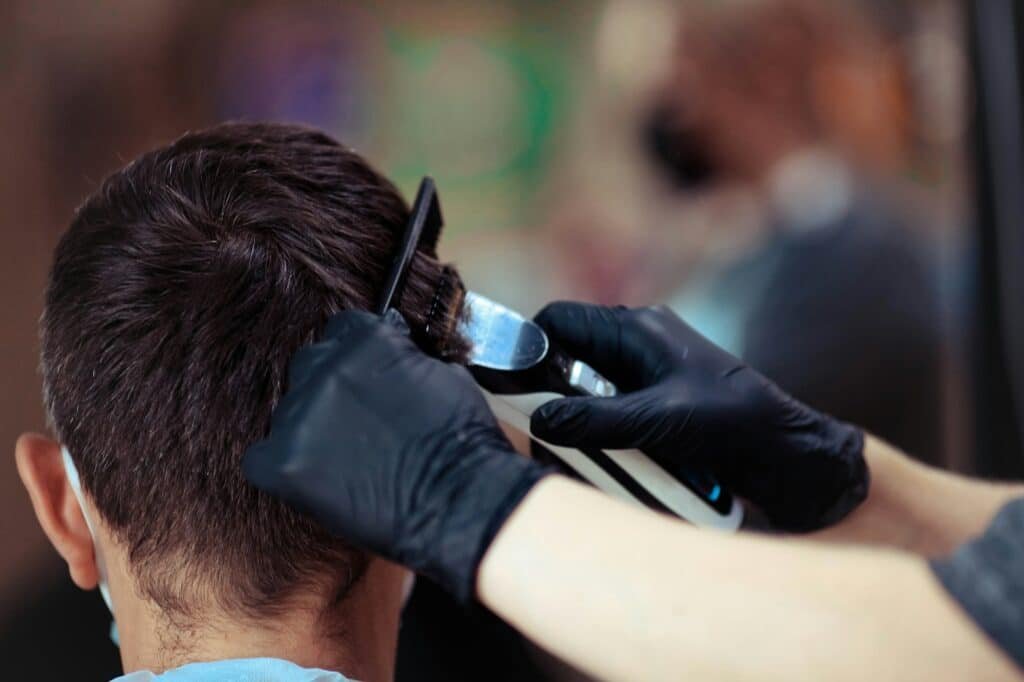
{"x":623,"y":421}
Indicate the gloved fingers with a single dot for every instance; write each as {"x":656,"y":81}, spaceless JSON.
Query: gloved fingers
{"x":343,"y":337}
{"x":292,"y":405}
{"x":260,"y":466}
{"x":307,"y":363}
{"x":624,"y":421}
{"x":348,"y":323}
{"x":591,"y":333}
{"x":463,"y":374}
{"x":341,"y":326}
{"x":356,"y":340}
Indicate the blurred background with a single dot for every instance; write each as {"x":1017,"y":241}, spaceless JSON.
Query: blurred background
{"x":794,"y":178}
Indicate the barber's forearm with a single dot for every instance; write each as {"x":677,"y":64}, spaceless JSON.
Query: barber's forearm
{"x":919,"y":508}
{"x":624,"y":593}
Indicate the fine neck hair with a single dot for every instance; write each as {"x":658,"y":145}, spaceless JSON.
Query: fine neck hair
{"x":176,"y":299}
{"x":357,"y":636}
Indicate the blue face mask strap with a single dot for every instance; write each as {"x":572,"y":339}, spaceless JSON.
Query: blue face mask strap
{"x":76,"y":487}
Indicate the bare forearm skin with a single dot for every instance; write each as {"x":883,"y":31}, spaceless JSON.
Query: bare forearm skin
{"x":628,"y":594}
{"x":917,"y":508}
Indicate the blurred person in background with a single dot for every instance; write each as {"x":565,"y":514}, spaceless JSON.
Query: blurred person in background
{"x":806,"y":105}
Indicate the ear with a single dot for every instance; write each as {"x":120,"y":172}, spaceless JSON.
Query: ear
{"x":42,"y":473}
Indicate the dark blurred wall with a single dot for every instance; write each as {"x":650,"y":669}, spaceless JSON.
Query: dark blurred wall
{"x":83,"y":90}
{"x":23,"y":257}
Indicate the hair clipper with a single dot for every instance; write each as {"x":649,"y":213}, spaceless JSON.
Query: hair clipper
{"x":519,"y":369}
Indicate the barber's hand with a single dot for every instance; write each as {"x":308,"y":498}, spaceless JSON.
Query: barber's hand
{"x":691,"y":405}
{"x":393,"y":450}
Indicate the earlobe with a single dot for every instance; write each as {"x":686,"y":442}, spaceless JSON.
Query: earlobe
{"x":42,"y":472}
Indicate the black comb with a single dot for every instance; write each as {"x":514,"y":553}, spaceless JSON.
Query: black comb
{"x":423,"y":228}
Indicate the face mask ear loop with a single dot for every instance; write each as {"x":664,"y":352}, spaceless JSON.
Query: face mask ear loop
{"x":76,"y":486}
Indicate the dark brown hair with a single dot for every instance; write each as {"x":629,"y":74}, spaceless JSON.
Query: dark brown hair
{"x":176,"y":299}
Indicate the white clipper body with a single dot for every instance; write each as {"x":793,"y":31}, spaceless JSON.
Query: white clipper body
{"x":519,"y":370}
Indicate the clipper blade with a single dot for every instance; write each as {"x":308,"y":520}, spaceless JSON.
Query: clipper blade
{"x":501,"y":338}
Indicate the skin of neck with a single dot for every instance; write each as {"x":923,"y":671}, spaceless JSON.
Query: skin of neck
{"x":357,"y":638}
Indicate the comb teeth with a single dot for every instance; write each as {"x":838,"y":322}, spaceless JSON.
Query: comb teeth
{"x":445,"y":311}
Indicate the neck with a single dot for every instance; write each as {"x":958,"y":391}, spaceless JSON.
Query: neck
{"x":357,"y":639}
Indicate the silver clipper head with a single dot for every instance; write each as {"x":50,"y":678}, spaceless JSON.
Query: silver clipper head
{"x":502,"y":339}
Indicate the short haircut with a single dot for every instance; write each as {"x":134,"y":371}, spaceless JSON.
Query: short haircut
{"x":176,"y":299}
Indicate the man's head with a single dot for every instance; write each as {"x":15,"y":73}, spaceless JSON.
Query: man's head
{"x":176,"y":299}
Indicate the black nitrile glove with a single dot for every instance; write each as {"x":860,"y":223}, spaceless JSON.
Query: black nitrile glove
{"x":691,"y":405}
{"x":393,"y":450}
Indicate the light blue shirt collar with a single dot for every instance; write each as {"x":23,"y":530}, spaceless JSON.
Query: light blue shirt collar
{"x":238,"y":670}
